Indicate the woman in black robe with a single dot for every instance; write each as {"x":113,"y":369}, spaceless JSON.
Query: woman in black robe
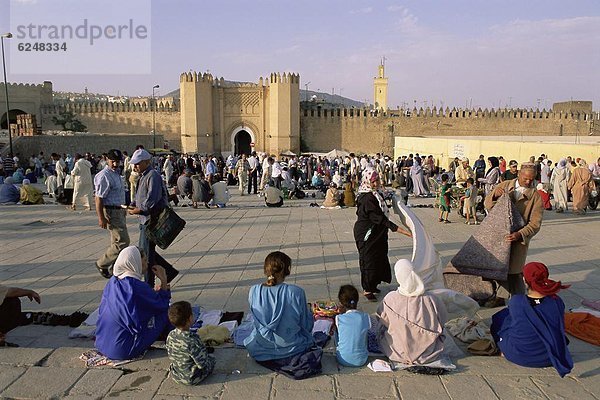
{"x":371,"y":235}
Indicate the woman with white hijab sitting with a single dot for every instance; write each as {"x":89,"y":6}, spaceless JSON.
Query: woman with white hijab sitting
{"x":412,"y":322}
{"x":132,"y":315}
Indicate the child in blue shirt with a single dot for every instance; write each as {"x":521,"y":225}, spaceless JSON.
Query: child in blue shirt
{"x":352,"y":328}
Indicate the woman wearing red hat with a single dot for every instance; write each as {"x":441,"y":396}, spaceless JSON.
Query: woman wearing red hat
{"x":531,"y":331}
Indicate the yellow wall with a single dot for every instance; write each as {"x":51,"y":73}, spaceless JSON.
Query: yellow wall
{"x":444,"y":149}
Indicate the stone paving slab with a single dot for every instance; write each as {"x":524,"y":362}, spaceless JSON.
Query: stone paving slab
{"x":220,"y":256}
{"x":43,"y":383}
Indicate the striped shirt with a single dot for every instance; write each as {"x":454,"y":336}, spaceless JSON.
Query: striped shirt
{"x":109,"y":187}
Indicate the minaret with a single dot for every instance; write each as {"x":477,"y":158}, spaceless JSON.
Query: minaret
{"x":380,"y":85}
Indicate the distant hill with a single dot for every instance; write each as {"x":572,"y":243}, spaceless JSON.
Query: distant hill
{"x":307,"y":95}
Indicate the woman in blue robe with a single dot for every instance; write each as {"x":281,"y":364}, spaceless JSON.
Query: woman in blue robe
{"x":531,"y":331}
{"x":282,"y":321}
{"x":132,"y":315}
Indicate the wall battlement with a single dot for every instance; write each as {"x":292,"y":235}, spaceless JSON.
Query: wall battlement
{"x":448,"y":113}
{"x":102,"y":107}
{"x":288,"y":78}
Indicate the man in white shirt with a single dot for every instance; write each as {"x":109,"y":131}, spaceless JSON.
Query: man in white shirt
{"x":253,"y":173}
{"x":266,"y":174}
{"x":545,"y":173}
{"x":275,"y":172}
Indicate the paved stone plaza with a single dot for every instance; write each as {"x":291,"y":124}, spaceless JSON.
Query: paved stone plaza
{"x":220,"y":255}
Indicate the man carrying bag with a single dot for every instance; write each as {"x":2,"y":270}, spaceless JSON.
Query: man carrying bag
{"x":150,"y":201}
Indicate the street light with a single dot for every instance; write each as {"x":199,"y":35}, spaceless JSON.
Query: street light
{"x":153,"y":105}
{"x":306,"y":91}
{"x":7,"y":35}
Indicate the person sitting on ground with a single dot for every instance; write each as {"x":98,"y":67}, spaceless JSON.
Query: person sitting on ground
{"x":9,"y":193}
{"x":531,"y":331}
{"x":132,"y":315}
{"x":31,"y":176}
{"x":283,"y":322}
{"x":18,"y":176}
{"x":273,"y":196}
{"x":349,"y":195}
{"x":221,"y":192}
{"x":332,"y":197}
{"x":412,"y":322}
{"x":316,"y":180}
{"x":10,"y":307}
{"x":352,"y":327}
{"x":190,"y":362}
{"x":30,"y":194}
{"x":337,"y":179}
{"x":201,"y":191}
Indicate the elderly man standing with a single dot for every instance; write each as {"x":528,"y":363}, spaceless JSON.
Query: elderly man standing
{"x":528,"y":202}
{"x":150,"y":200}
{"x":82,"y":189}
{"x":110,"y":200}
{"x":463,"y":172}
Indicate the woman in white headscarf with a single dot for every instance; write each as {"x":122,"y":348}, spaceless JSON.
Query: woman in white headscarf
{"x":132,"y":315}
{"x":559,"y":180}
{"x":371,"y":234}
{"x":412,"y":320}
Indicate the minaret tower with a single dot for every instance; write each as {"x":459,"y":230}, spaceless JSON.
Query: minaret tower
{"x":380,"y":86}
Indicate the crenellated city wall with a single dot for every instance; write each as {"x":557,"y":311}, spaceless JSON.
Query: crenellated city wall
{"x":363,"y":131}
{"x":134,"y":118}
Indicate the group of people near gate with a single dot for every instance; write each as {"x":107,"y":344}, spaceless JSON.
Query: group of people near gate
{"x":409,"y":325}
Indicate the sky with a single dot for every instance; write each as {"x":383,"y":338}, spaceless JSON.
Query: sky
{"x":454,"y":53}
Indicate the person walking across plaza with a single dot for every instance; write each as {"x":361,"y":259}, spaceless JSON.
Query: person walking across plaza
{"x":253,"y":173}
{"x":528,"y":203}
{"x":110,"y":198}
{"x":82,"y":189}
{"x":242,"y":170}
{"x":150,"y":200}
{"x":371,"y":235}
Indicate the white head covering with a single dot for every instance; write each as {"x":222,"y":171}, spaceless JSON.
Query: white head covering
{"x":129,"y":264}
{"x":409,"y":283}
{"x":26,"y":182}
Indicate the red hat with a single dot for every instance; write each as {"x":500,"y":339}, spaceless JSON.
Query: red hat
{"x":536,"y":276}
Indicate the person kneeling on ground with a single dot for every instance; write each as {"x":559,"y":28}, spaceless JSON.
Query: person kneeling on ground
{"x":282,"y":335}
{"x":531,"y":331}
{"x":132,"y":315}
{"x":10,"y":308}
{"x":190,"y":362}
{"x":273,"y":196}
{"x":412,"y":322}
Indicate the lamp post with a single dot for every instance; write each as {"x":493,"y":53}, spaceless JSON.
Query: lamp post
{"x":154,"y":117}
{"x":306,"y":91}
{"x":7,"y":35}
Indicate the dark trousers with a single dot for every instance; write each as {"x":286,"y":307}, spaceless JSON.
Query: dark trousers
{"x":252,"y":182}
{"x":10,"y":314}
{"x":154,"y":258}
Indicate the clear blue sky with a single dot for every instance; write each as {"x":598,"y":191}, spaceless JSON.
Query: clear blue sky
{"x":484,"y":53}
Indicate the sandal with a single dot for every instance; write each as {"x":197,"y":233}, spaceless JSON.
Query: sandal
{"x":370,"y":296}
{"x":103,"y":271}
{"x":446,"y":221}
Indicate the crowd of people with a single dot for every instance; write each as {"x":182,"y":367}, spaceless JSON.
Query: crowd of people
{"x":135,"y":310}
